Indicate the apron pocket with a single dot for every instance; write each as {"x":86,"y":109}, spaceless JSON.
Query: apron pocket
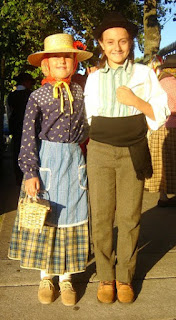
{"x":82,"y":175}
{"x":45,"y":178}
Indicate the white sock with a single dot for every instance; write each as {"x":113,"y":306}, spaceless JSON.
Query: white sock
{"x":43,"y":274}
{"x":65,"y":277}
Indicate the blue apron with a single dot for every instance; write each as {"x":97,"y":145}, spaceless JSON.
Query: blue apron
{"x":63,"y":176}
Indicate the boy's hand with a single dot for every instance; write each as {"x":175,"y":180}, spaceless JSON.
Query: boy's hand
{"x":125,"y":95}
{"x":32,"y":186}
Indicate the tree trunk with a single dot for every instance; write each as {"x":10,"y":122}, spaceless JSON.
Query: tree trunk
{"x":152,"y":34}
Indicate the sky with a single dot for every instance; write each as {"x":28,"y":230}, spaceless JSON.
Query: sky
{"x":168,"y":35}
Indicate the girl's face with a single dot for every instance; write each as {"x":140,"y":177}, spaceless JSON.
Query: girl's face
{"x":116,"y":43}
{"x":61,"y":65}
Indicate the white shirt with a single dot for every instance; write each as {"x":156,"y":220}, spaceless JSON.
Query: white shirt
{"x":142,"y":81}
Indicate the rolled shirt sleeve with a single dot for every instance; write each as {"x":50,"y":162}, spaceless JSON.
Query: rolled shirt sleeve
{"x":157,"y":98}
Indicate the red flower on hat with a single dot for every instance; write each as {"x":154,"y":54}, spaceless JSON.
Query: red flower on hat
{"x":79,"y":45}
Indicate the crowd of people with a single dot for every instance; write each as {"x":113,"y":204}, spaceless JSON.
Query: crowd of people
{"x":121,"y":103}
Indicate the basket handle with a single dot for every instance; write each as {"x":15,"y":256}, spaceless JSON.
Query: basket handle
{"x":28,"y":198}
{"x":41,"y":192}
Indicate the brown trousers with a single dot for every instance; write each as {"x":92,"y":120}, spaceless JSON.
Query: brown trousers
{"x":115,"y":193}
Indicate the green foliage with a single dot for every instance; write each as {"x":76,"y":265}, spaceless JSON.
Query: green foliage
{"x":25,"y":23}
{"x":23,"y":26}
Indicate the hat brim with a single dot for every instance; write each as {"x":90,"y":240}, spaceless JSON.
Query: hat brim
{"x":130,"y":27}
{"x":36,"y":58}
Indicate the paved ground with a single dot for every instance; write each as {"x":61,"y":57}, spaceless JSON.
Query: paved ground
{"x":155,"y":279}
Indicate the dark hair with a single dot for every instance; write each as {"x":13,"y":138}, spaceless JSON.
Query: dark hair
{"x":22,"y":77}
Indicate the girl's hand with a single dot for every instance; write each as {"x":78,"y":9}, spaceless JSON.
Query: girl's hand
{"x":32,"y":186}
{"x":125,"y":96}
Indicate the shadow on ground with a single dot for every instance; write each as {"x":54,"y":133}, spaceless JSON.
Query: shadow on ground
{"x":157,"y":237}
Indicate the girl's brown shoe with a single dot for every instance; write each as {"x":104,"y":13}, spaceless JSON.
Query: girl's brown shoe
{"x":68,"y":294}
{"x":46,"y":291}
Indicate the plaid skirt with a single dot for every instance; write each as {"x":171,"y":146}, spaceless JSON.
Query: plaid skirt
{"x":162,"y":145}
{"x":54,"y":250}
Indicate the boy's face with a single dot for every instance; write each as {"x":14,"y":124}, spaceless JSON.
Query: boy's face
{"x":116,"y":44}
{"x":61,"y":65}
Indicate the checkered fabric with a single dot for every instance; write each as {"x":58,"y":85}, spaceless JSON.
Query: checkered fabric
{"x":162,"y":145}
{"x":55,"y":250}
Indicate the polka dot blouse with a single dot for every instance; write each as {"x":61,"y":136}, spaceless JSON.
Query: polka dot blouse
{"x":44,"y":121}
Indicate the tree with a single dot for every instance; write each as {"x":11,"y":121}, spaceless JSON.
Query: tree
{"x":154,"y":13}
{"x":23,"y":26}
{"x":25,"y":23}
{"x":83,"y":18}
{"x":152,"y":34}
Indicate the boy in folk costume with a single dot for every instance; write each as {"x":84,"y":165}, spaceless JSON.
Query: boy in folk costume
{"x":121,"y":99}
{"x":51,"y":159}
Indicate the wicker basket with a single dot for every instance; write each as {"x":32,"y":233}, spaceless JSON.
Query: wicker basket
{"x":33,"y":212}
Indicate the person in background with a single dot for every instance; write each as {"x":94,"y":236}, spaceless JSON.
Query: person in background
{"x":16,"y":102}
{"x":80,"y":79}
{"x":51,"y":159}
{"x":162,"y":143}
{"x":122,"y":99}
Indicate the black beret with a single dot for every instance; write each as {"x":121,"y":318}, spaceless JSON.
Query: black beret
{"x":112,"y":20}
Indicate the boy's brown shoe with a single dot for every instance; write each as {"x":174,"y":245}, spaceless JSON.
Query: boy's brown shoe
{"x":125,"y":293}
{"x":106,"y":291}
{"x":68,"y":294}
{"x":46,"y":291}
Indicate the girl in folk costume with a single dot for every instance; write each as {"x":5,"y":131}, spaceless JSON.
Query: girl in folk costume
{"x":51,"y":159}
{"x":121,"y":99}
{"x":162,"y":143}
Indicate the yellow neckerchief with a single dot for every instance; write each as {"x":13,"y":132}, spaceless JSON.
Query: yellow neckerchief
{"x":57,"y":87}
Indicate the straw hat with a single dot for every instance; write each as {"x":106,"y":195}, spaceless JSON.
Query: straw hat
{"x":60,"y":42}
{"x":112,"y":20}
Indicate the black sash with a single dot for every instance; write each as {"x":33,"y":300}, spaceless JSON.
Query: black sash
{"x":126,"y":132}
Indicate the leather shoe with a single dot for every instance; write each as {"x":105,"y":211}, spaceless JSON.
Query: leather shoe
{"x":68,"y":293}
{"x":125,"y":293}
{"x":106,"y":291}
{"x":46,"y":291}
